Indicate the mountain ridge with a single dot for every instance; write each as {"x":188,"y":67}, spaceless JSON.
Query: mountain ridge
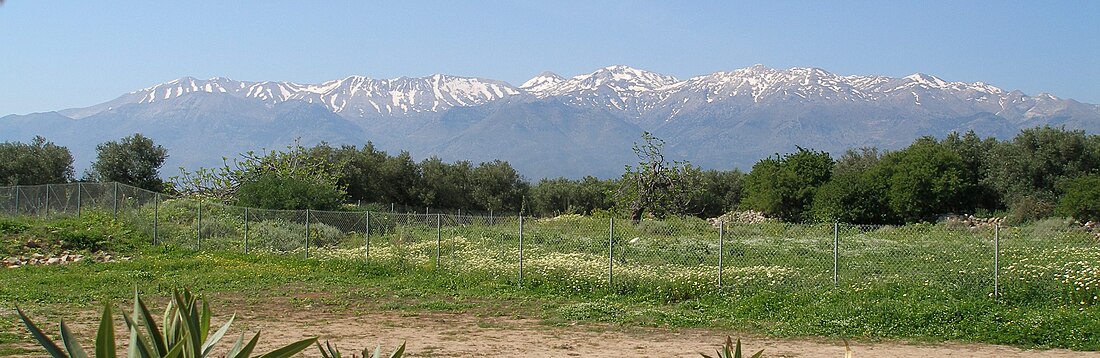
{"x":722,"y":119}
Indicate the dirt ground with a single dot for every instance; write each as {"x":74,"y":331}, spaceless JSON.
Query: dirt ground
{"x":461,"y":335}
{"x":434,"y":334}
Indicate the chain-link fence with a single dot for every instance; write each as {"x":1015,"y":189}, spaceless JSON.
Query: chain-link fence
{"x":676,"y":257}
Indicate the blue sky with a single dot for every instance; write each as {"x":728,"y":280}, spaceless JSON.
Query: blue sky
{"x":61,"y":54}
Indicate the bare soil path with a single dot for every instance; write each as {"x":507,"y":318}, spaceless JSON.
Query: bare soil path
{"x":465,"y":335}
{"x":436,"y":334}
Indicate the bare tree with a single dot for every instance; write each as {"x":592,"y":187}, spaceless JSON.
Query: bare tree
{"x":655,"y":184}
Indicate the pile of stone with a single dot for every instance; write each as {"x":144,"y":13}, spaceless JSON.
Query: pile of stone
{"x":971,"y":221}
{"x":1094,"y":228}
{"x":740,"y":217}
{"x":58,"y":259}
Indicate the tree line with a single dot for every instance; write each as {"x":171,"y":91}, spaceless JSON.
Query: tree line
{"x":1042,"y":172}
{"x":1039,"y":173}
{"x":133,"y":160}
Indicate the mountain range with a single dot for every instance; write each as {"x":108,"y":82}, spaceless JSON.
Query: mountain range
{"x":551,"y":125}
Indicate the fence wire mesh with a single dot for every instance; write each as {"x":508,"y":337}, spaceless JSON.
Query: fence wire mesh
{"x":1050,"y":261}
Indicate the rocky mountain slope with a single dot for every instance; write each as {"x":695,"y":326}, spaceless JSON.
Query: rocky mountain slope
{"x":551,"y":125}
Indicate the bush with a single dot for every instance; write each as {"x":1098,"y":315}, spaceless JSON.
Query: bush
{"x":653,"y":227}
{"x":324,"y":235}
{"x":1029,"y":208}
{"x":277,"y":235}
{"x":1054,"y":225}
{"x":271,"y":191}
{"x":10,"y":226}
{"x":1081,"y":198}
{"x":94,"y":231}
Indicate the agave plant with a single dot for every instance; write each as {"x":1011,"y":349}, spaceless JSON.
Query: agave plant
{"x":185,"y":334}
{"x":330,"y":351}
{"x":736,"y":353}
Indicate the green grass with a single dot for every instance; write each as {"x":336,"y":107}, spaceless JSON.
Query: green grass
{"x":922,"y":283}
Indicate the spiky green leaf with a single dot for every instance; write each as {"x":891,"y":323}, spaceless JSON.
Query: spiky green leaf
{"x":177,"y":350}
{"x":139,"y":347}
{"x":213,"y":340}
{"x":204,"y":322}
{"x":324,"y":353}
{"x":291,"y":349}
{"x":105,"y":337}
{"x":42,"y":339}
{"x":70,"y":342}
{"x":399,"y":352}
{"x":245,"y":351}
{"x":158,"y":342}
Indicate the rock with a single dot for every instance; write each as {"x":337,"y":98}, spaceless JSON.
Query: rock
{"x":57,"y":259}
{"x":740,"y":217}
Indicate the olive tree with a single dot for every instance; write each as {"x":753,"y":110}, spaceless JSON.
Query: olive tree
{"x":655,"y":184}
{"x":134,"y":160}
{"x":40,"y":162}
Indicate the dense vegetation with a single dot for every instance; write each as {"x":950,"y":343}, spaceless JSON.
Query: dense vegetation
{"x":40,"y":162}
{"x":925,"y":281}
{"x":1040,"y":173}
{"x":134,"y":160}
{"x":920,"y":282}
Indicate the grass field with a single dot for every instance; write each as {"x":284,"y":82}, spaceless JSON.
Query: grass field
{"x":919,"y":282}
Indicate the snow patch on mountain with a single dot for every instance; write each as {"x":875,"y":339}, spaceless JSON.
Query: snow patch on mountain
{"x":631,"y":93}
{"x":541,"y":84}
{"x":358,"y":94}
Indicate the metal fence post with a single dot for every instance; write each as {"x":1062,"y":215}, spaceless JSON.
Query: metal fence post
{"x":521,"y":250}
{"x":366,"y":241}
{"x":307,"y":233}
{"x":17,"y":195}
{"x":78,"y":185}
{"x":437,"y":237}
{"x":198,"y":226}
{"x":46,"y":213}
{"x":115,"y":197}
{"x":246,"y":229}
{"x":996,"y":261}
{"x":156,"y":214}
{"x":721,"y":249}
{"x":836,"y":252}
{"x":610,"y":251}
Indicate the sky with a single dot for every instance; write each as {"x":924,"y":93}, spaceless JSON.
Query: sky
{"x":58,"y":54}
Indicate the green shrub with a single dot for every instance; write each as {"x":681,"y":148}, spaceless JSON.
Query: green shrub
{"x":11,"y":226}
{"x":93,"y":231}
{"x":271,"y":191}
{"x":1081,"y":199}
{"x":324,"y":235}
{"x":277,"y":235}
{"x":653,"y":227}
{"x":1054,"y":225}
{"x":1029,"y":208}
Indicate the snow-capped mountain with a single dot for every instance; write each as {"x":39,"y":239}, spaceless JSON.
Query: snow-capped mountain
{"x":353,"y":96}
{"x":553,"y":125}
{"x":616,"y":88}
{"x":542,"y":84}
{"x":657,"y":97}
